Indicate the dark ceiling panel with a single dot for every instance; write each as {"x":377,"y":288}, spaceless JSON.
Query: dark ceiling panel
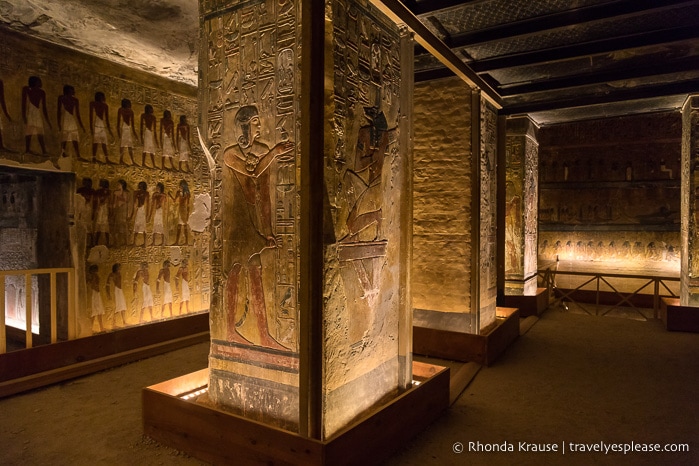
{"x":620,"y":64}
{"x":665,"y":38}
{"x":562,"y":56}
{"x":587,"y":32}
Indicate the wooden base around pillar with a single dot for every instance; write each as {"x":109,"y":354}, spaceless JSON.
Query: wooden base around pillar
{"x":220,"y":437}
{"x":31,"y":368}
{"x":679,"y":318}
{"x":457,"y":346}
{"x":529,"y":305}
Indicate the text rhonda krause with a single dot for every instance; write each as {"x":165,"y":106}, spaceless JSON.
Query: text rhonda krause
{"x":574,"y":447}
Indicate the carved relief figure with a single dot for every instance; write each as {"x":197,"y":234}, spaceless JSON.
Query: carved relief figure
{"x":125,"y":129}
{"x":68,"y":118}
{"x":84,"y":208}
{"x":164,"y":275}
{"x":158,"y":205}
{"x":184,"y":146}
{"x":101,"y":214}
{"x":96,"y":306}
{"x":141,"y":206}
{"x":249,"y":161}
{"x":148,"y":136}
{"x":182,"y":284}
{"x":119,"y":211}
{"x":114,"y":283}
{"x":146,"y":293}
{"x":34,"y":112}
{"x":182,"y":200}
{"x":167,"y":138}
{"x":365,"y":179}
{"x":364,"y":246}
{"x":99,"y":125}
{"x":4,"y":111}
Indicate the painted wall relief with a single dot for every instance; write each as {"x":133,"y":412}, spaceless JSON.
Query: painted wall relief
{"x":364,"y":178}
{"x":250,"y":65}
{"x":616,"y":201}
{"x":521,"y":213}
{"x":488,"y":212}
{"x":132,"y":177}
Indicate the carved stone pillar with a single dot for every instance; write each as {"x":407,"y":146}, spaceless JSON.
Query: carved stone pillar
{"x":485,"y":176}
{"x":689,"y":274}
{"x":305,"y":109}
{"x":521,"y":206}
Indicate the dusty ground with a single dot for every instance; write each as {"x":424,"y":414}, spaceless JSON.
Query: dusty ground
{"x":93,"y":420}
{"x":571,"y":377}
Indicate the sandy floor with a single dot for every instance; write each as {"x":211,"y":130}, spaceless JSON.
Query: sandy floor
{"x":570,"y":378}
{"x":93,"y":420}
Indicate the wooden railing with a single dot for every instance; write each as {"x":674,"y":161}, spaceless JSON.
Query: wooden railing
{"x":28,"y":290}
{"x":593,"y":281}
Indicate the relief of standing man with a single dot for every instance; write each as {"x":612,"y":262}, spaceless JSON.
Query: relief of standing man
{"x":34,"y":112}
{"x":249,"y":161}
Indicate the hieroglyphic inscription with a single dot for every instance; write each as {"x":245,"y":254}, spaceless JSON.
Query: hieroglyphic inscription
{"x":250,"y":106}
{"x":488,"y":223}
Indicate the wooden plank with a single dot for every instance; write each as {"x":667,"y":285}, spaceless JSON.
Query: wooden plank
{"x":529,"y":305}
{"x":678,"y":318}
{"x":460,"y":380}
{"x":219,"y":437}
{"x":54,"y":319}
{"x":398,"y":13}
{"x":28,"y":308}
{"x":24,"y":363}
{"x":373,"y":439}
{"x":3,"y":335}
{"x":466,"y":347}
{"x":19,"y":385}
{"x":455,"y":346}
{"x":503,"y":335}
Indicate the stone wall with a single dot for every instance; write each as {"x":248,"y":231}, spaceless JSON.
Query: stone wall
{"x":83,"y":220}
{"x":610,"y":190}
{"x":442,"y":183}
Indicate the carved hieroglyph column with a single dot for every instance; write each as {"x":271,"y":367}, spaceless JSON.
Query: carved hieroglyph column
{"x":689,"y":274}
{"x":305,"y":111}
{"x":521,"y":204}
{"x":484,"y":250}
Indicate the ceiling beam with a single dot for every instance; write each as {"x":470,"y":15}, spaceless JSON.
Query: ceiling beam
{"x":568,"y":52}
{"x":399,"y":14}
{"x":424,"y":7}
{"x":578,"y":80}
{"x":619,"y":95}
{"x":431,"y":75}
{"x":618,"y":9}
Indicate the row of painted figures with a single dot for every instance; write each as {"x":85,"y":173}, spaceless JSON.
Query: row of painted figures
{"x":104,"y":210}
{"x":115,"y":293}
{"x":172,"y":141}
{"x":588,"y":250}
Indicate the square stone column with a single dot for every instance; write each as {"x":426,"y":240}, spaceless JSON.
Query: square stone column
{"x":521,"y":206}
{"x":454,"y":267}
{"x":305,"y":111}
{"x":485,"y":204}
{"x":689,"y":267}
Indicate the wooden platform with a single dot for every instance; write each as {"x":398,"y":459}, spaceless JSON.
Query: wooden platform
{"x":532,"y":305}
{"x":43,"y":365}
{"x":458,"y":346}
{"x":219,"y":437}
{"x":679,"y":318}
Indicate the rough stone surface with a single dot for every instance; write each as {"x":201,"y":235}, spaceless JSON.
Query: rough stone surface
{"x":442,"y":196}
{"x":158,"y":36}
